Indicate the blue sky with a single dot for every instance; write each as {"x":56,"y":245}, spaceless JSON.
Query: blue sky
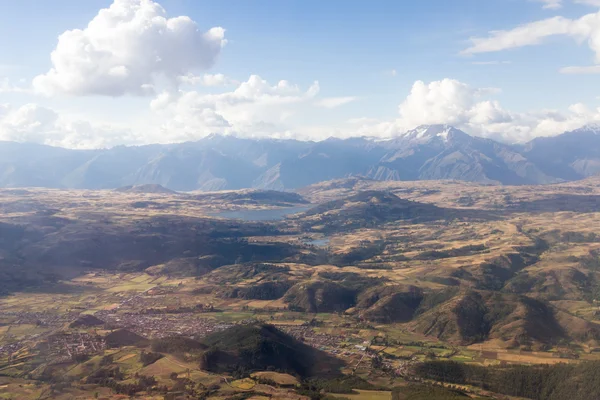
{"x":366,"y":57}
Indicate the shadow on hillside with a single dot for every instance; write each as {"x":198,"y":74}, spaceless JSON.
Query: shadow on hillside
{"x":472,"y":215}
{"x":561,"y":202}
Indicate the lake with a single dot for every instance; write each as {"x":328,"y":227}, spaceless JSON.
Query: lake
{"x":318,"y":242}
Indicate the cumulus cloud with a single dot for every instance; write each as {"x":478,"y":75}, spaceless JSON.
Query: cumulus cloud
{"x":475,"y":111}
{"x":207,"y":80}
{"x":125,"y":49}
{"x":441,"y":102}
{"x":33,"y":123}
{"x":255,"y":108}
{"x":445,"y":101}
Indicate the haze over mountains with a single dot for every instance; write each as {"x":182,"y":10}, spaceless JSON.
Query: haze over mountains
{"x":225,"y":162}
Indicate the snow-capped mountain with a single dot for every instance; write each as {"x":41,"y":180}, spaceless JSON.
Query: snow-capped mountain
{"x":217,"y":162}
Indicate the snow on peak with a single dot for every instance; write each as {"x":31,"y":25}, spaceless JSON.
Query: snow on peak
{"x":591,"y":127}
{"x":425,"y":133}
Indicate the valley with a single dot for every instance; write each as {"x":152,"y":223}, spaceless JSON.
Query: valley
{"x":152,"y":293}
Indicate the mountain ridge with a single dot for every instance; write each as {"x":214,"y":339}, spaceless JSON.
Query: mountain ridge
{"x":429,"y":152}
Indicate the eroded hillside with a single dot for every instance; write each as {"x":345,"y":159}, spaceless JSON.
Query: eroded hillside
{"x":379,"y":276}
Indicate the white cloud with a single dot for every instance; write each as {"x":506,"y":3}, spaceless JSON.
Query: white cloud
{"x":593,"y":3}
{"x":36,"y":124}
{"x":254,"y":109}
{"x":456,"y":103}
{"x":438,"y":102}
{"x":125,"y":49}
{"x":334,"y":102}
{"x":550,"y":4}
{"x":586,"y":28}
{"x":491,"y":62}
{"x":207,"y":80}
{"x":591,"y":69}
{"x":6,"y":86}
{"x":444,"y":102}
{"x":556,"y":4}
{"x":524,"y":35}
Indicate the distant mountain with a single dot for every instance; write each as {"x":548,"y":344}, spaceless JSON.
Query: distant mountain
{"x":444,"y":152}
{"x":227,"y":163}
{"x":570,"y":156}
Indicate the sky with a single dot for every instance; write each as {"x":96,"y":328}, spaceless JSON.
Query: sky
{"x":101,"y":73}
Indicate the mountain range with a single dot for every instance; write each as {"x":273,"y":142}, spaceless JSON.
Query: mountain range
{"x":226,"y":162}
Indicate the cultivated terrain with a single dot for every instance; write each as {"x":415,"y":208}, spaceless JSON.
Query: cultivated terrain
{"x":355,"y":288}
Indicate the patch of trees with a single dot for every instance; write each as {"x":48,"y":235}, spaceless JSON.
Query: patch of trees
{"x":591,"y":261}
{"x":579,"y":237}
{"x":15,"y":277}
{"x":466,"y":201}
{"x":142,"y":384}
{"x":426,"y":392}
{"x":269,"y":290}
{"x":356,"y":255}
{"x":458,"y":252}
{"x":352,"y":280}
{"x":556,"y":236}
{"x":104,"y":375}
{"x":106,"y":360}
{"x":80,"y":358}
{"x":541,"y":382}
{"x":344,"y":384}
{"x":147,"y":358}
{"x":240,"y":272}
{"x":148,"y":204}
{"x":434,"y":298}
{"x":176,"y":345}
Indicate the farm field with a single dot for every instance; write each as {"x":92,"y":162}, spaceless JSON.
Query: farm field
{"x":382,"y":291}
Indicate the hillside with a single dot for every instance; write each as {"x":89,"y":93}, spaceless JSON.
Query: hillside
{"x":124,"y":337}
{"x":517,"y":321}
{"x":260,"y":347}
{"x":320,"y":296}
{"x":367,"y":209}
{"x":86,"y":321}
{"x":254,"y":197}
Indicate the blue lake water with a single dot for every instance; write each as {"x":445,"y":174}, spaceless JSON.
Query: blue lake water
{"x":319,"y":242}
{"x":261,"y":215}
